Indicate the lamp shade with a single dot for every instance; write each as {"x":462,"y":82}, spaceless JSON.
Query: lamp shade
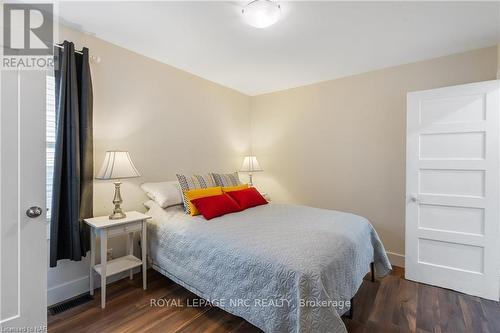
{"x":117,"y":165}
{"x":250,"y":164}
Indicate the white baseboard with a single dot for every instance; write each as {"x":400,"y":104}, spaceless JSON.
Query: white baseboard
{"x":79,"y":286}
{"x":67,"y":290}
{"x":396,"y":259}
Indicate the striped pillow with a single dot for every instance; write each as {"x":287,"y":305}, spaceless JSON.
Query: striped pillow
{"x":226,"y":179}
{"x":193,"y":182}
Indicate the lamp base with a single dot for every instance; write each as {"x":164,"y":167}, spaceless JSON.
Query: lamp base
{"x":117,"y":201}
{"x":116,"y":215}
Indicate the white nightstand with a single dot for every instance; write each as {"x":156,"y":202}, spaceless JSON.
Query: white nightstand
{"x":104,"y":227}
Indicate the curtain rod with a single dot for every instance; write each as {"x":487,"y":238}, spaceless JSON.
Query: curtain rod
{"x":91,"y":58}
{"x":62,"y":47}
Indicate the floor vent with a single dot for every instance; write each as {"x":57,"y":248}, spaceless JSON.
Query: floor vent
{"x":71,"y":303}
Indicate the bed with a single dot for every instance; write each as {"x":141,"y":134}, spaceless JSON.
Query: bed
{"x":283,"y":268}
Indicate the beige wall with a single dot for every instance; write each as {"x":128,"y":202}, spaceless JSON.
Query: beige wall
{"x":169,"y":120}
{"x":340,"y":144}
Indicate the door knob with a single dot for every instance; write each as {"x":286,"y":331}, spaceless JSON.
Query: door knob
{"x":34,"y":211}
{"x":413,"y":198}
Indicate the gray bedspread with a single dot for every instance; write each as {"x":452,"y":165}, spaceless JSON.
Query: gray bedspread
{"x":283,"y":268}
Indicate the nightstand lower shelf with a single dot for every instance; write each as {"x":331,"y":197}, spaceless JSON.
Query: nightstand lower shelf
{"x":118,"y":265}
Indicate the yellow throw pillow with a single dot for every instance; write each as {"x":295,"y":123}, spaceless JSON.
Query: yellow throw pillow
{"x":234,"y":188}
{"x":200,"y":193}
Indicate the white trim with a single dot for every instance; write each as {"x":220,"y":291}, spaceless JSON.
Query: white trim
{"x":79,"y":286}
{"x":396,"y":259}
{"x":67,"y":290}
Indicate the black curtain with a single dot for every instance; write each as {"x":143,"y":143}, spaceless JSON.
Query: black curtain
{"x":72,"y":188}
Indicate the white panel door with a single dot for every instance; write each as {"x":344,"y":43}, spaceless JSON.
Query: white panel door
{"x":23,"y":244}
{"x":452,"y":188}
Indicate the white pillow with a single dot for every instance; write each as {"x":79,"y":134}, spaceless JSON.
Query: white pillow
{"x":165,"y":194}
{"x":149,"y":204}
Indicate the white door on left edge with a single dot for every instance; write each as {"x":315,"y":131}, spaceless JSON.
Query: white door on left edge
{"x":452,"y":184}
{"x":23,"y":243}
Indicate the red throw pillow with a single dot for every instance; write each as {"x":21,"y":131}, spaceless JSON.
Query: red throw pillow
{"x":247,"y":198}
{"x":216,"y":205}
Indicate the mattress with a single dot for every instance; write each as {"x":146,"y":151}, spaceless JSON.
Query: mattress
{"x":283,"y":268}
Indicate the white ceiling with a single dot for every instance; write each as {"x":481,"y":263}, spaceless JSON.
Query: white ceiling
{"x":313,"y":41}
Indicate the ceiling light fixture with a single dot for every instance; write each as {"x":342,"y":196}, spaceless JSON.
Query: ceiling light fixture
{"x":261,"y":13}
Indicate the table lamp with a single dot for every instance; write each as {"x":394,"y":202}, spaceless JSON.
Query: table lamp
{"x":117,"y":165}
{"x":250,"y":164}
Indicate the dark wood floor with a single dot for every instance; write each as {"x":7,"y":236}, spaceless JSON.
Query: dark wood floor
{"x":392,"y":304}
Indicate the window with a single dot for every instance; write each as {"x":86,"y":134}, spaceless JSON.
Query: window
{"x":51,"y":137}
